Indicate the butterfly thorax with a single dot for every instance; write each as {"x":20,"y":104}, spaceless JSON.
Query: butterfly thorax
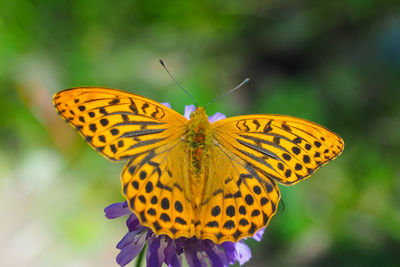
{"x":199,"y":140}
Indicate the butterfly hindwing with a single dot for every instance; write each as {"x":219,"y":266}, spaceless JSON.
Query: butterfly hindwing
{"x":118,"y":124}
{"x":283,"y":148}
{"x":155,"y":188}
{"x":239,"y":201}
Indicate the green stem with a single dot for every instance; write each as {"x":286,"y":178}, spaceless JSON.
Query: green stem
{"x":140,"y":257}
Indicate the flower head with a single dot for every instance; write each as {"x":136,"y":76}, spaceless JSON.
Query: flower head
{"x":163,"y":249}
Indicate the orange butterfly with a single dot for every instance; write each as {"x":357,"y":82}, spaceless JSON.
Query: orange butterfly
{"x":187,"y":178}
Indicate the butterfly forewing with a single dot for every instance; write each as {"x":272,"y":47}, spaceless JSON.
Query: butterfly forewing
{"x":118,"y":124}
{"x":283,"y":148}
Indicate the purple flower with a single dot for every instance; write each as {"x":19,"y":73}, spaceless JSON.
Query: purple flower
{"x":162,"y":249}
{"x":189,"y":109}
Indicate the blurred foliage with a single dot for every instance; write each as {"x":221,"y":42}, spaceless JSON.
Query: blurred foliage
{"x":333,"y":62}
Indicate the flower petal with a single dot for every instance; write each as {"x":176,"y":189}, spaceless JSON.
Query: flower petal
{"x":133,"y":223}
{"x":216,"y":255}
{"x":156,"y":251}
{"x":243,"y":252}
{"x":230,"y":251}
{"x":166,"y":104}
{"x":188,"y":110}
{"x":116,"y":210}
{"x":216,"y":117}
{"x":195,"y":259}
{"x":258,"y":236}
{"x":173,"y":256}
{"x":129,"y":238}
{"x":130,"y":251}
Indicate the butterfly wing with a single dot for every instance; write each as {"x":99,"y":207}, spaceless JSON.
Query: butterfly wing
{"x":118,"y":124}
{"x":283,"y":148}
{"x":121,"y":125}
{"x":156,"y":186}
{"x":252,"y":154}
{"x":238,"y":201}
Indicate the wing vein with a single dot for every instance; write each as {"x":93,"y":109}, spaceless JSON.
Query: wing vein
{"x":260,"y":149}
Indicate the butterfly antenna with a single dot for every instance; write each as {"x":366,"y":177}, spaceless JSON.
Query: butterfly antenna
{"x":173,"y":78}
{"x":230,"y":91}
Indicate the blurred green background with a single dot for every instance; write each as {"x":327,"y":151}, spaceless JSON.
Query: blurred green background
{"x":333,"y":62}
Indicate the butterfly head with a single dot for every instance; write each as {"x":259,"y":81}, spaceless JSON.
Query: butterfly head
{"x":198,"y":114}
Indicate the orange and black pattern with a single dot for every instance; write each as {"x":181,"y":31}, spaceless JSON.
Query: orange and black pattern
{"x":192,"y":178}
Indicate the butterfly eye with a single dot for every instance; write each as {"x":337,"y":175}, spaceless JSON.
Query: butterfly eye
{"x":194,"y":113}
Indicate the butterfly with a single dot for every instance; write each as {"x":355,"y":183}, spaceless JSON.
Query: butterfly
{"x":186,"y":178}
